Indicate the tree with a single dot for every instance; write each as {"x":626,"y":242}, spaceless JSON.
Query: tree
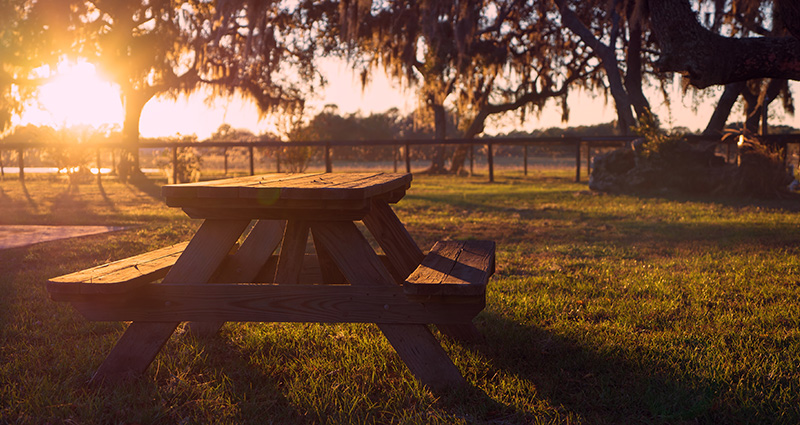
{"x":746,"y":18}
{"x":481,"y":57}
{"x":707,"y":59}
{"x":172,"y":47}
{"x":27,"y":43}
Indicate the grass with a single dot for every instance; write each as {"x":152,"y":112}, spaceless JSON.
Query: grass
{"x":603,"y":309}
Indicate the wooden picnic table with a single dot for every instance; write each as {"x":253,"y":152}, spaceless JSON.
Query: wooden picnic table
{"x":213,"y":278}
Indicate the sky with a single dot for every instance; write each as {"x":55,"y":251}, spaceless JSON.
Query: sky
{"x":80,"y":97}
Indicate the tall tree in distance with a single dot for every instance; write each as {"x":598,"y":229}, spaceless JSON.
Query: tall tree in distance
{"x":479,"y":58}
{"x":173,"y":47}
{"x":616,"y":33}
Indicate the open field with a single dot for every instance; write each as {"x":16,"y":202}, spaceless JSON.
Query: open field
{"x":604,"y":309}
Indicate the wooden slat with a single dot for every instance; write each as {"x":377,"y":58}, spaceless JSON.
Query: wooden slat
{"x":226,"y":187}
{"x":290,"y":262}
{"x":460,"y":268}
{"x":222,"y":213}
{"x":328,"y":186}
{"x":243,"y":266}
{"x":140,"y":343}
{"x":118,"y":276}
{"x":276,"y":303}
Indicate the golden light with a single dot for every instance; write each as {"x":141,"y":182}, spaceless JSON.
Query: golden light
{"x":77,"y":96}
{"x":741,"y":140}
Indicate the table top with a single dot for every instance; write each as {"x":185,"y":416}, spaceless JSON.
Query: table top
{"x":290,"y":191}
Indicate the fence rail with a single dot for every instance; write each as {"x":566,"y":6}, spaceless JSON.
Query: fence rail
{"x":577,"y":143}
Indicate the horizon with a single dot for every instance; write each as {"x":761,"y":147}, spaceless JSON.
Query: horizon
{"x":196,"y":115}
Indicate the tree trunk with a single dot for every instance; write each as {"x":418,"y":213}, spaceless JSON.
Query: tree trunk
{"x":633,"y":76}
{"x":723,"y":110}
{"x":440,"y":133}
{"x":129,"y":167}
{"x":608,"y":60}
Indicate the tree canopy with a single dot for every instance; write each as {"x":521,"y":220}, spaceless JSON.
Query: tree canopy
{"x":476,"y":58}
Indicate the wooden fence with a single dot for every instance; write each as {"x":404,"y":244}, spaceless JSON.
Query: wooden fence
{"x":405,"y":146}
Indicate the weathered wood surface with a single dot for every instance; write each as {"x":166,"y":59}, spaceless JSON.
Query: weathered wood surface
{"x":393,"y":238}
{"x":242,"y":266}
{"x":276,"y":303}
{"x":290,"y":262}
{"x":140,"y":343}
{"x":118,"y":276}
{"x":273,"y":189}
{"x":453,"y":268}
{"x":415,"y":344}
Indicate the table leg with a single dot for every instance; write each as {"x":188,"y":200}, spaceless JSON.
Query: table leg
{"x":405,"y":256}
{"x":140,"y":343}
{"x":245,"y":264}
{"x":394,"y":239}
{"x":415,"y":344}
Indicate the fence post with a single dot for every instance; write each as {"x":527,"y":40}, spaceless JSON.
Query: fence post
{"x":588,"y":157}
{"x":2,"y":166}
{"x":252,"y":165}
{"x":328,"y":165}
{"x":490,"y":159}
{"x":471,"y":159}
{"x":175,"y":165}
{"x":408,"y":158}
{"x":99,"y":167}
{"x":394,"y":156}
{"x":225,"y":159}
{"x":577,"y":161}
{"x":525,"y":160}
{"x":278,"y":160}
{"x":21,"y":163}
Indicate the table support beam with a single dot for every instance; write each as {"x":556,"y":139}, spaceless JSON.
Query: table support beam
{"x":140,"y":343}
{"x":415,"y":344}
{"x":245,"y":264}
{"x":405,"y":255}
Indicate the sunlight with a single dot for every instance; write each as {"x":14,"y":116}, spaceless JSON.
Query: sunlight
{"x":77,"y":96}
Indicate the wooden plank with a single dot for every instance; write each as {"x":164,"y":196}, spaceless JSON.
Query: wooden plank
{"x":330,"y":272}
{"x":118,"y":276}
{"x":275,"y":214}
{"x":393,"y":238}
{"x":458,"y":268}
{"x":140,"y":343}
{"x":454,"y":269}
{"x":276,"y":303}
{"x":290,"y":262}
{"x":415,"y":344}
{"x":273,"y":203}
{"x":227,"y":187}
{"x":243,"y":266}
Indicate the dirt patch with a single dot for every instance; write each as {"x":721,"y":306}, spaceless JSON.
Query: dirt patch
{"x":19,"y":235}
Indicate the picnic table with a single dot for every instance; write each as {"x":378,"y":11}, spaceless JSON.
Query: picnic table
{"x":274,"y":275}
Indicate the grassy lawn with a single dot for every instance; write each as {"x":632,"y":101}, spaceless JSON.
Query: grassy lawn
{"x":604,"y":309}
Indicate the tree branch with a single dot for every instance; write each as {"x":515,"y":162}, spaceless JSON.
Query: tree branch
{"x":710,"y":59}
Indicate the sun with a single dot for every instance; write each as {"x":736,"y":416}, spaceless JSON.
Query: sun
{"x":76,"y":96}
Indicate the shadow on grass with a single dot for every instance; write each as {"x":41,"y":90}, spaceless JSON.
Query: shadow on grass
{"x":601,"y":386}
{"x":27,"y":194}
{"x":146,"y":186}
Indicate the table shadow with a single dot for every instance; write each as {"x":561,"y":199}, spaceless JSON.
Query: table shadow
{"x":594,"y":385}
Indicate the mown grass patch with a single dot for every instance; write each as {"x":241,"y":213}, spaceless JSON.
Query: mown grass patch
{"x":604,"y":309}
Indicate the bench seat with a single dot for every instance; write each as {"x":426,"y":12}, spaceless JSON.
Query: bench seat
{"x":116,"y":277}
{"x":453,"y":269}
